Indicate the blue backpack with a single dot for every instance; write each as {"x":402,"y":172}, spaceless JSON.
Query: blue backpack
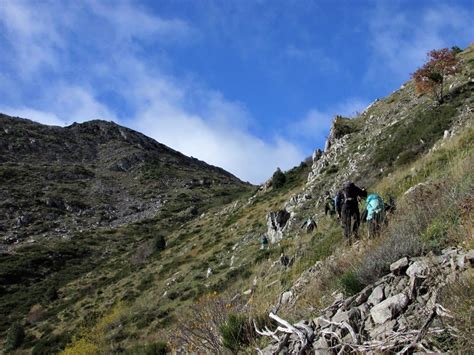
{"x":374,"y":205}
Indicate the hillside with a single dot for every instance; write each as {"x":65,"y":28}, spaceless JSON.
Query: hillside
{"x":57,"y":181}
{"x":107,"y":290}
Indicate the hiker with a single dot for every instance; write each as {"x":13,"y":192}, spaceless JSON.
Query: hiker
{"x":348,"y":208}
{"x":309,"y":225}
{"x":374,"y":214}
{"x":330,"y":205}
{"x":338,"y":202}
{"x":263,"y":242}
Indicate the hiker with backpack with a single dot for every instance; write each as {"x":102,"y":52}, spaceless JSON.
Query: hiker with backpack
{"x":374,"y":214}
{"x":347,"y":207}
{"x":330,"y":205}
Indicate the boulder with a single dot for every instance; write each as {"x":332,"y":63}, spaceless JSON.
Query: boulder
{"x":276,"y":222}
{"x":418,"y":269}
{"x":388,"y":309}
{"x":286,"y":297}
{"x":376,"y":296}
{"x":399,"y":267}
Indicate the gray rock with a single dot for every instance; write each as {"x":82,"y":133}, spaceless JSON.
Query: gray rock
{"x":321,"y":346}
{"x":276,"y":222}
{"x":388,"y":309}
{"x":341,"y":316}
{"x":419,"y":269}
{"x":363,"y":295}
{"x":381,"y":331}
{"x":376,"y":296}
{"x":286,"y":297}
{"x":399,"y":267}
{"x":470,"y":257}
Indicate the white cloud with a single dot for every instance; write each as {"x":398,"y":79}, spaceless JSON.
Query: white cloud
{"x":31,"y":32}
{"x":67,"y":104}
{"x":47,"y":118}
{"x":316,"y":123}
{"x":400,"y":42}
{"x":130,"y":20}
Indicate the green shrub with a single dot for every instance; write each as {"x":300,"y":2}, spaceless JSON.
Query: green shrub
{"x":15,"y":336}
{"x":235,"y":332}
{"x":436,"y":235}
{"x":159,"y":243}
{"x":51,"y":294}
{"x":350,"y":283}
{"x":278,"y":179}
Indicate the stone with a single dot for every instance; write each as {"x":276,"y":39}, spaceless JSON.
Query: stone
{"x":381,"y":331}
{"x":286,"y":297}
{"x":470,"y":257}
{"x":399,"y":267}
{"x":363,"y":295}
{"x":321,"y":346}
{"x":388,"y":309}
{"x":276,"y":222}
{"x":376,"y":296}
{"x":340,"y":316}
{"x":418,"y":269}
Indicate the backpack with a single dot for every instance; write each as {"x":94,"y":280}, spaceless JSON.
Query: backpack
{"x":331,"y":203}
{"x":374,"y":205}
{"x":346,"y":190}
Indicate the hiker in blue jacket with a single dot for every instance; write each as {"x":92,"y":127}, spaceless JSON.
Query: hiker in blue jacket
{"x":375,"y":211}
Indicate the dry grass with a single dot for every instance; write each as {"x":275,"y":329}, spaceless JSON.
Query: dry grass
{"x":457,"y":297}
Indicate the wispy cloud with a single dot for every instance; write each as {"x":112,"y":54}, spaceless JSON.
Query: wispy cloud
{"x":315,"y":125}
{"x":400,"y":40}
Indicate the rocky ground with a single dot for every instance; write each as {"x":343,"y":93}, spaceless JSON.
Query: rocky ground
{"x":400,"y":312}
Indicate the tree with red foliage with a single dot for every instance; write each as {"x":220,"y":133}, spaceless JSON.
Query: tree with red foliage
{"x":430,"y":77}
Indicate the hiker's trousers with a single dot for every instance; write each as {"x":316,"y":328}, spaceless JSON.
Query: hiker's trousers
{"x":349,"y":213}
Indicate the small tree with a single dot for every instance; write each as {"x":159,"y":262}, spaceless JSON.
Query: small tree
{"x":278,"y":179}
{"x":431,"y":76}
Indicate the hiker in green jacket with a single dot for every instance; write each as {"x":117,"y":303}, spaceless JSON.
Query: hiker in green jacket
{"x":330,"y":205}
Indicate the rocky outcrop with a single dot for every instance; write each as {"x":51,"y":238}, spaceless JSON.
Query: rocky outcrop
{"x":393,"y":314}
{"x":276,"y":223}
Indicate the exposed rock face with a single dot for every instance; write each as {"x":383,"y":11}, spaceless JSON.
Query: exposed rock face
{"x":276,"y":223}
{"x":401,"y":302}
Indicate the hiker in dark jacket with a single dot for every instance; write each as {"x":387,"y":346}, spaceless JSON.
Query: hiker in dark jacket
{"x":349,"y":208}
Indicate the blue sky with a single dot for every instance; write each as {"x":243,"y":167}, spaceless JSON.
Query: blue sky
{"x":245,"y":85}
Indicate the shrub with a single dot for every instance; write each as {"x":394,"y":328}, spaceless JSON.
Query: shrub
{"x":436,"y":235}
{"x":159,"y":243}
{"x":234,"y":332}
{"x":350,"y":283}
{"x":15,"y":336}
{"x":51,"y":294}
{"x":278,"y":179}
